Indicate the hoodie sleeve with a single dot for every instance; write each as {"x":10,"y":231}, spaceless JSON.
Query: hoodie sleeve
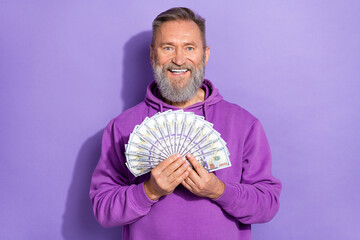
{"x":255,"y":199}
{"x":115,"y":202}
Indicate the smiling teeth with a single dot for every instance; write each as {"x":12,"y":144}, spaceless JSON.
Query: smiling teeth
{"x":178,"y":70}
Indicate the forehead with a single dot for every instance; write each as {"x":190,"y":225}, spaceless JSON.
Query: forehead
{"x":178,"y":31}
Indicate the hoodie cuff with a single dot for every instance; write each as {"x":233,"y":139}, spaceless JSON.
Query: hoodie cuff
{"x":143,"y":202}
{"x":229,"y":196}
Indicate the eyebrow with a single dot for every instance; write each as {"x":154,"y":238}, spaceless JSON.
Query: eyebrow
{"x":173,"y":44}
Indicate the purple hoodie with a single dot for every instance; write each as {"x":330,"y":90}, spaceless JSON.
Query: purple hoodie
{"x":251,"y":192}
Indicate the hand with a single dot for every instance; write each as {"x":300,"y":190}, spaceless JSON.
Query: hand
{"x":202,"y":183}
{"x":166,"y":176}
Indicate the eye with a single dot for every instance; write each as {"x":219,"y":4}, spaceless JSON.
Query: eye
{"x":167,"y":48}
{"x":190,"y":48}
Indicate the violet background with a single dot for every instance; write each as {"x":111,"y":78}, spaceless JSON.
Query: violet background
{"x":68,"y":67}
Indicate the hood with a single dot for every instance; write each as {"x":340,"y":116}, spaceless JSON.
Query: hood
{"x":154,"y":100}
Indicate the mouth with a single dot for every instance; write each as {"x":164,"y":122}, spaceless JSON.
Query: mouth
{"x":178,"y":71}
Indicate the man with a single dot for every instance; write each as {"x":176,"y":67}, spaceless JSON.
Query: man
{"x":176,"y":201}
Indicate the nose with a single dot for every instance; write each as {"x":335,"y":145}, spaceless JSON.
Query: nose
{"x":179,"y":58}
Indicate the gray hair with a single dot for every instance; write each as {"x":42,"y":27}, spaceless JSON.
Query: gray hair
{"x":178,"y":13}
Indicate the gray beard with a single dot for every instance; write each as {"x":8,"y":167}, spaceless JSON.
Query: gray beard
{"x":174,"y":93}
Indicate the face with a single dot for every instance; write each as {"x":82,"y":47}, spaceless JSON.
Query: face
{"x":179,"y":59}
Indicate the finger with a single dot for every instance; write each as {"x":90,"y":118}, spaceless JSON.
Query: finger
{"x":180,"y":170}
{"x":180,"y":179}
{"x":190,"y":183}
{"x":193,"y":176}
{"x":162,"y":165}
{"x":187,"y":186}
{"x":199,"y":169}
{"x":174,"y":166}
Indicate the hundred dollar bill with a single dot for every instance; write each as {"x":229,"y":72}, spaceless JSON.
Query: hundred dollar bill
{"x":199,"y":148}
{"x":179,"y":128}
{"x":191,"y":142}
{"x":187,"y":131}
{"x":160,"y":122}
{"x":145,"y":135}
{"x":199,"y":130}
{"x":139,"y":165}
{"x":143,"y":150}
{"x":169,"y":123}
{"x":156,"y":133}
{"x":220,"y":159}
{"x":174,"y":120}
{"x":137,"y":171}
{"x":214,"y":160}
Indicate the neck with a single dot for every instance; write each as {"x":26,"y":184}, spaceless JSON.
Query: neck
{"x":199,"y":97}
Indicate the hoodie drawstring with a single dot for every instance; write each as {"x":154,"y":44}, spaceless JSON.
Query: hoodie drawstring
{"x":204,"y":110}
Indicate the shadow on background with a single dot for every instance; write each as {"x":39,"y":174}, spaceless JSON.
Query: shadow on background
{"x":78,"y":220}
{"x":137,"y":72}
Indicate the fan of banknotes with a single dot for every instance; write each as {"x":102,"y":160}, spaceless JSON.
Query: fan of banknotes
{"x":171,"y":132}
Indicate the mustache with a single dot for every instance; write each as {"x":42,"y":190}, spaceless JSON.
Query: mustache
{"x":169,"y":66}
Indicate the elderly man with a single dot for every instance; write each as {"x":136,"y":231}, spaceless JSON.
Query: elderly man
{"x":176,"y":200}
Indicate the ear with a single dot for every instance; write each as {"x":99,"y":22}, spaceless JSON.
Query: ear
{"x":151,"y":55}
{"x":207,"y":54}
